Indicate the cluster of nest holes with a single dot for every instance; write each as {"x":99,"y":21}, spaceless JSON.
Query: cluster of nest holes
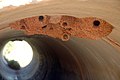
{"x":65,"y":36}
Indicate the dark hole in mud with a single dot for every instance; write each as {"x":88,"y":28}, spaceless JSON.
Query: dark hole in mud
{"x":65,"y":37}
{"x":44,"y":26}
{"x":22,"y":27}
{"x":69,"y":29}
{"x":64,"y":24}
{"x":41,"y":18}
{"x":96,"y":23}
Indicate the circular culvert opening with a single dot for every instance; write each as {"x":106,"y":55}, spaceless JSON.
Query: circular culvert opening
{"x":17,"y":54}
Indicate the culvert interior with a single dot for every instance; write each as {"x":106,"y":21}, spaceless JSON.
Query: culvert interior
{"x":76,"y":59}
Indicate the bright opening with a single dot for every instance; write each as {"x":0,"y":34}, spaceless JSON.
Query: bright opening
{"x":18,"y":53}
{"x":5,"y":3}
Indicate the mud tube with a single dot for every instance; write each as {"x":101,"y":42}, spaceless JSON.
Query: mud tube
{"x":76,"y":59}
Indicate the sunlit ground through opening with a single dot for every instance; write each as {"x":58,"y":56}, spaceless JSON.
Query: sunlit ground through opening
{"x":18,"y":54}
{"x":5,"y":3}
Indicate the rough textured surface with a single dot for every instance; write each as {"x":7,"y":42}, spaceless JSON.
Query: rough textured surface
{"x":63,"y":27}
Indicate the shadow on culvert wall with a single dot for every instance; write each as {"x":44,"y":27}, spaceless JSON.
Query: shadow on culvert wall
{"x":77,"y":59}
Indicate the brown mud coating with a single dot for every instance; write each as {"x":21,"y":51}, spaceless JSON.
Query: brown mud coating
{"x":63,"y":27}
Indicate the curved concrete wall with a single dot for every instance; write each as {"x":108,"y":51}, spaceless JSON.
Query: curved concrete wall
{"x":77,"y":59}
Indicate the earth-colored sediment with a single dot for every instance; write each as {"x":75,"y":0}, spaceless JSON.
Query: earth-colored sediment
{"x":63,"y":27}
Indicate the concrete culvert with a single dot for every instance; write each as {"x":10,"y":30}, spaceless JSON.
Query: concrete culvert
{"x":75,"y":51}
{"x":58,"y":60}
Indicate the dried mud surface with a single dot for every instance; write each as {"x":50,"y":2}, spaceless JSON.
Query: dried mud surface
{"x":63,"y":27}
